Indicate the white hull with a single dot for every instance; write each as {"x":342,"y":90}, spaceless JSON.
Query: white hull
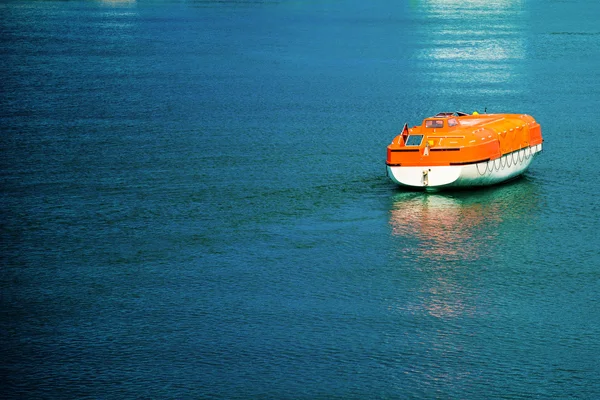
{"x":480,"y":174}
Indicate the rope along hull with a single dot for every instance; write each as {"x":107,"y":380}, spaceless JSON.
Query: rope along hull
{"x":491,"y":172}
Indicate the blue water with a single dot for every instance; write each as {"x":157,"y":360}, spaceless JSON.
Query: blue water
{"x":194,"y":202}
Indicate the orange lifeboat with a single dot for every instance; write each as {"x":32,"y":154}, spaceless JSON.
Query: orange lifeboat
{"x":458,"y":150}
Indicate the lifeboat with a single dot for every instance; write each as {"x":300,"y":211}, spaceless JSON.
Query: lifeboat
{"x":455,"y":149}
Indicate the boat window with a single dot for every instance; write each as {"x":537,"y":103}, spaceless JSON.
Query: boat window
{"x":414,"y":140}
{"x":452,"y":122}
{"x":434,"y":123}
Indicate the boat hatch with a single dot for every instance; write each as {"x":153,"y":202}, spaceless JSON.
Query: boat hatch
{"x":414,"y":140}
{"x":434,"y":123}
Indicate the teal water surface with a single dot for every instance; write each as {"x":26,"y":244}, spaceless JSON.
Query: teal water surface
{"x":194,"y":202}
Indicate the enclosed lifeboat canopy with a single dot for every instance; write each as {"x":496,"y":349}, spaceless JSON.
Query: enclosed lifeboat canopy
{"x":436,"y":152}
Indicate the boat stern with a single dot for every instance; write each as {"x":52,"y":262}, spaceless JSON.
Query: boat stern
{"x":423,"y":177}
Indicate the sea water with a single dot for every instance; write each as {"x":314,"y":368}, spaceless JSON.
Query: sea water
{"x":194,"y":201}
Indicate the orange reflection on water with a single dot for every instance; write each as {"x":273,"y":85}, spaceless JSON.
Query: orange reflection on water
{"x":446,"y":230}
{"x":448,"y":240}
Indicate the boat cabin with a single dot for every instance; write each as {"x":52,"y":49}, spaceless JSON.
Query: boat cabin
{"x":443,"y":120}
